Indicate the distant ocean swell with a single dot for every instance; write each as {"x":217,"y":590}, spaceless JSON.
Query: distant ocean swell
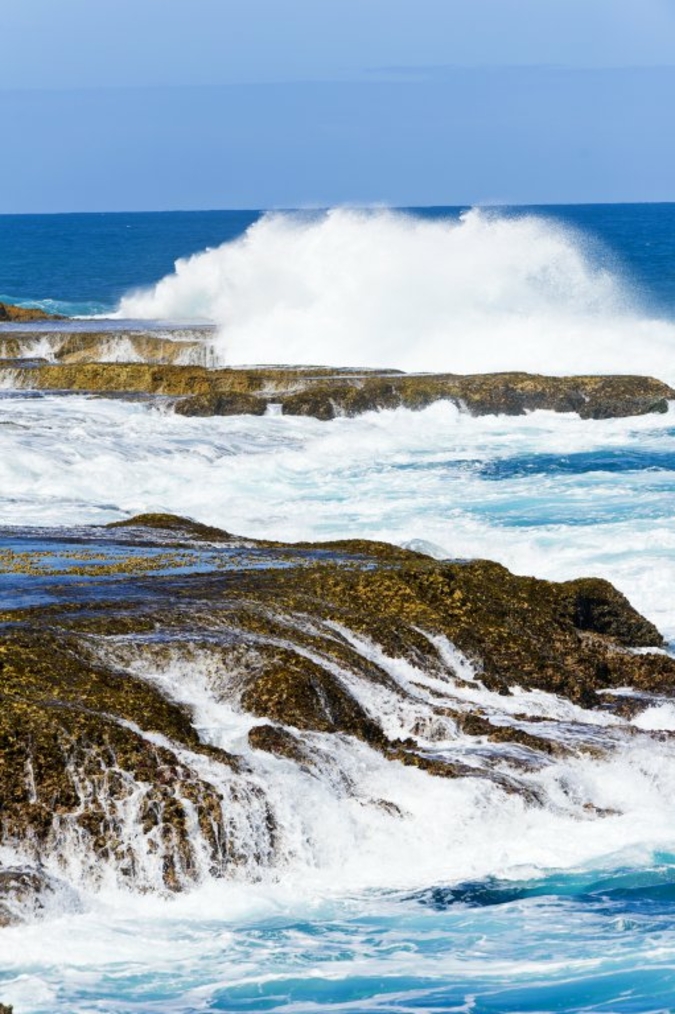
{"x":486,"y":292}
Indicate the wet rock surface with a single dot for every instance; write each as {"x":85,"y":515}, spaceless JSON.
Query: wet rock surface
{"x":179,"y":365}
{"x":326,"y":394}
{"x":171,"y":345}
{"x":111,"y":637}
{"x":28,"y":893}
{"x":19,"y":314}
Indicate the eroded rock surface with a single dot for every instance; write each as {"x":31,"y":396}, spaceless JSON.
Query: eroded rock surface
{"x":8,"y":312}
{"x":178,"y":365}
{"x":325,"y":394}
{"x":172,"y":345}
{"x":122,"y":648}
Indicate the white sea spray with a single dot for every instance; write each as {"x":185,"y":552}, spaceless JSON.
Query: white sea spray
{"x":485,"y":293}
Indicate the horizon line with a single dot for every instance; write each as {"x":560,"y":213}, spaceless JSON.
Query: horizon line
{"x":299,"y":209}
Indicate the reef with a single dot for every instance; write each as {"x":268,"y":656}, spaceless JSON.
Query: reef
{"x":105,"y":631}
{"x":178,"y":366}
{"x":325,"y":394}
{"x":19,"y":314}
{"x":171,"y":345}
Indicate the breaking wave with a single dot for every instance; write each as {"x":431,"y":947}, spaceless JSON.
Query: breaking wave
{"x":486,"y":292}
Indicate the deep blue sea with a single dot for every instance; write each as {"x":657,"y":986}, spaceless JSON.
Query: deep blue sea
{"x":474,"y":900}
{"x":85,"y":263}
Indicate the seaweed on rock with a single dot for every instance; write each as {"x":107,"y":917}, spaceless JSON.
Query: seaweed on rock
{"x":105,"y":759}
{"x":325,"y":393}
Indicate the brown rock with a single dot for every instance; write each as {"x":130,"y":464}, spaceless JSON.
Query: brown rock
{"x":25,"y":313}
{"x":324,"y":393}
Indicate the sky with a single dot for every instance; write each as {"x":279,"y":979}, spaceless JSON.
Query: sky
{"x":177,"y":104}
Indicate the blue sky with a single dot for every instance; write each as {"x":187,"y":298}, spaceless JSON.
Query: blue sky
{"x":275,"y":103}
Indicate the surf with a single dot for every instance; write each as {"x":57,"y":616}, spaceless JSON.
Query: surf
{"x":486,"y":292}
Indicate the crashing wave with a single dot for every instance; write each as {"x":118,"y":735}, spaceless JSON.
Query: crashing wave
{"x":377,"y":289}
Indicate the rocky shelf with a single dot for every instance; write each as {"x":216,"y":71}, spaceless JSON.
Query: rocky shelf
{"x":170,"y":345}
{"x":326,"y":393}
{"x":178,"y":363}
{"x":104,"y":631}
{"x":21,"y":314}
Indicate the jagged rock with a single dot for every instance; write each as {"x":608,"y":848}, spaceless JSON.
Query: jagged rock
{"x":279,"y":741}
{"x":221,"y":404}
{"x":475,"y":725}
{"x":301,"y":693}
{"x":71,"y":743}
{"x":597,"y":606}
{"x":119,"y":345}
{"x":484,"y":394}
{"x":290,"y":631}
{"x":27,"y":894}
{"x":25,"y":313}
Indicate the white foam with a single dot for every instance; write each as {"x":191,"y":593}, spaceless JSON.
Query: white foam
{"x":334,"y":835}
{"x":359,"y":821}
{"x":350,"y":288}
{"x":337,"y":841}
{"x":660,"y":717}
{"x":399,"y":476}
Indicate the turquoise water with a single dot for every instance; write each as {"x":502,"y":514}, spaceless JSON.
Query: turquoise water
{"x":476,"y":902}
{"x":586,"y":942}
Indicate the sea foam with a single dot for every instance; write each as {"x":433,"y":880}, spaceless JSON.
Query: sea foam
{"x":461,"y":486}
{"x":483,"y":293}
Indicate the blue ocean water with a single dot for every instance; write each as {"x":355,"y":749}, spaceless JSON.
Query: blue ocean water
{"x":572,"y":944}
{"x":472,"y":905}
{"x":84,"y":263}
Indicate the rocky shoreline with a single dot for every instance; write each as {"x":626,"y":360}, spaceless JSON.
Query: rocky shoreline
{"x":177,"y":368}
{"x":103,"y":630}
{"x":115,"y":639}
{"x":25,"y":314}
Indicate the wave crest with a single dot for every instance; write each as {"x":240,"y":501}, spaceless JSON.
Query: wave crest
{"x":486,"y":292}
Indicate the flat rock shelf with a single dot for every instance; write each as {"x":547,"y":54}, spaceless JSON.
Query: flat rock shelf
{"x":178,"y":364}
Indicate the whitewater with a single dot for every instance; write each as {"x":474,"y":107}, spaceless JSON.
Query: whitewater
{"x":484,"y":293}
{"x":472,"y":899}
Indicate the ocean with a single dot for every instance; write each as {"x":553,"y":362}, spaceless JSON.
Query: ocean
{"x":473,"y":899}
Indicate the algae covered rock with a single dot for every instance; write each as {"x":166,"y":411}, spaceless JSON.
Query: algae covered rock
{"x":221,"y":404}
{"x":172,"y":524}
{"x":298,"y":692}
{"x":8,"y":312}
{"x":324,"y":393}
{"x":28,"y":893}
{"x":598,"y":607}
{"x":79,"y":741}
{"x":114,"y":686}
{"x":276,"y":740}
